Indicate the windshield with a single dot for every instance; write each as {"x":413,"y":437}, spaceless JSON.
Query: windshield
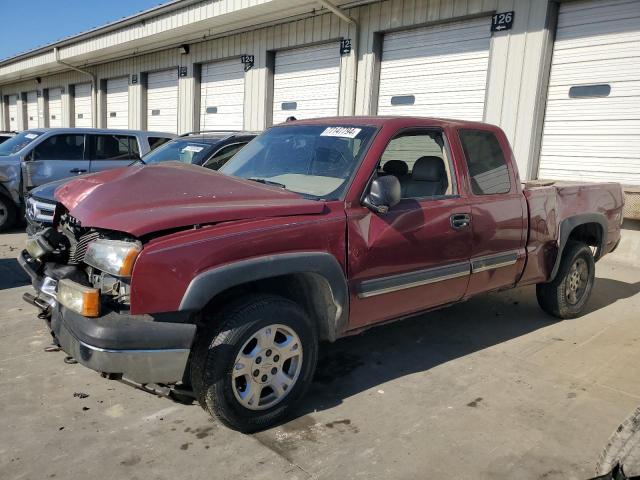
{"x":314,"y":160}
{"x":183,"y":150}
{"x":17,"y":143}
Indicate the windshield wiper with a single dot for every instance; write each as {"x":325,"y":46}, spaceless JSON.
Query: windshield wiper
{"x":267,"y":182}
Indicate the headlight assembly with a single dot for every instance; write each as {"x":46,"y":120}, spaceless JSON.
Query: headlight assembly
{"x":113,"y":256}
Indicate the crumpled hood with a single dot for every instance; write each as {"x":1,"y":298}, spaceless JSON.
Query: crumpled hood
{"x":144,"y":199}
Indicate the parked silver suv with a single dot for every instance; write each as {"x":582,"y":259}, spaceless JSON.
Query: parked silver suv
{"x":38,"y":156}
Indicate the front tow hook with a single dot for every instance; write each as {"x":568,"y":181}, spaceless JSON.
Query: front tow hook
{"x":35,"y":301}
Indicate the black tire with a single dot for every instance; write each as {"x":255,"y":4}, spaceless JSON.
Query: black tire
{"x":218,"y":344}
{"x":8,"y":213}
{"x":553,"y":297}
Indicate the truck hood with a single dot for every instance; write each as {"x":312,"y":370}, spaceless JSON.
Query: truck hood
{"x":47,"y":191}
{"x":143,"y":199}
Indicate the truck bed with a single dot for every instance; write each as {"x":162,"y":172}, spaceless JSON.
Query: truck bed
{"x":551,"y":208}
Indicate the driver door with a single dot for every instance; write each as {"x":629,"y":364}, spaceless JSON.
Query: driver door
{"x":55,"y":158}
{"x":416,"y":256}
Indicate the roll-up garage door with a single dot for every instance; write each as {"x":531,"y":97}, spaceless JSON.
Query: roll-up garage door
{"x":118,"y":102}
{"x":438,"y":71}
{"x":162,"y":101}
{"x":222,"y":96}
{"x":55,"y":107}
{"x":32,"y":109}
{"x":82,"y":105}
{"x":592,"y":121}
{"x":13,"y":112}
{"x":306,"y":82}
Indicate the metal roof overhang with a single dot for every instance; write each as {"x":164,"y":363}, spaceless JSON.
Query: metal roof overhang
{"x":103,"y":44}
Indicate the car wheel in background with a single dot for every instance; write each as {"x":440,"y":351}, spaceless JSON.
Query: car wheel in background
{"x":8,"y":213}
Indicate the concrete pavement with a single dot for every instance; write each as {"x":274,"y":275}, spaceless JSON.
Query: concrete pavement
{"x":492,"y":388}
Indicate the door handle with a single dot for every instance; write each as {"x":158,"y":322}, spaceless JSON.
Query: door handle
{"x":77,"y":170}
{"x":460,"y":221}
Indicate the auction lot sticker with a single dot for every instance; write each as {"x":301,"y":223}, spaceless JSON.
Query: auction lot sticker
{"x":344,"y":132}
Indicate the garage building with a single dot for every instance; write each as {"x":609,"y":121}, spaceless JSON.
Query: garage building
{"x":562,"y":78}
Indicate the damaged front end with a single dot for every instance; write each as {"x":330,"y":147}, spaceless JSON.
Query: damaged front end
{"x":88,"y":269}
{"x":82,"y":278}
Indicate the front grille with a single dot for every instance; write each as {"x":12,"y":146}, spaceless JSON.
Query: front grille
{"x":78,"y":251}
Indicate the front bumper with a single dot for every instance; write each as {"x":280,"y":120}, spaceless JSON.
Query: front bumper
{"x":137,"y":347}
{"x":140,"y":350}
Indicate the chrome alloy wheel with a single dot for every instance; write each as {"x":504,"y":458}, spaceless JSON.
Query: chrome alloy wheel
{"x":267,"y":367}
{"x":577,"y":279}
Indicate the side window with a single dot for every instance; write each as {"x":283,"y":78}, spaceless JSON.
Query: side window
{"x":487,"y":167}
{"x":420,"y":162}
{"x":155,"y":142}
{"x":60,"y":147}
{"x":115,"y":147}
{"x":223,"y":155}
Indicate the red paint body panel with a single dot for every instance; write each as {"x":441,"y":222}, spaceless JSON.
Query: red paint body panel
{"x":151,"y":198}
{"x":242,"y":219}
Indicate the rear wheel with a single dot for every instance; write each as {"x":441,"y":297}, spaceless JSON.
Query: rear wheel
{"x":251,"y":370}
{"x":8,"y":213}
{"x":568,"y":293}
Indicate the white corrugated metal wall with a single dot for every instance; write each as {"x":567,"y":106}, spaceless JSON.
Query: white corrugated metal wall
{"x":162,"y":101}
{"x":82,"y":105}
{"x":117,"y":102}
{"x":306,"y":82}
{"x":32,"y":110}
{"x":222,"y":95}
{"x":438,"y":71}
{"x":13,"y":112}
{"x":54,"y":107}
{"x":592,"y":121}
{"x":512,"y":88}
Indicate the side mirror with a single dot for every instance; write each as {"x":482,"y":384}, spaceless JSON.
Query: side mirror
{"x":385,"y":193}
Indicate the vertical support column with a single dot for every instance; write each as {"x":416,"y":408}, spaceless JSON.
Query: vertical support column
{"x":67,"y":105}
{"x":268,"y":71}
{"x":72,"y":105}
{"x":137,"y":112}
{"x":101,"y":115}
{"x":45,"y":108}
{"x":22,"y":111}
{"x":197,"y":97}
{"x":4,"y":111}
{"x":186,"y":95}
{"x":41,"y":108}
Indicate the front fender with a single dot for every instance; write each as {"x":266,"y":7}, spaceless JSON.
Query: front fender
{"x":208,"y":284}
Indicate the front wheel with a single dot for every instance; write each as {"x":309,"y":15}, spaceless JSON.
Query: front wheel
{"x":256,"y":365}
{"x":568,"y":293}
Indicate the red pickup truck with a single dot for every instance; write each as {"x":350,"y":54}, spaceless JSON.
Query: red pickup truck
{"x":224,"y":283}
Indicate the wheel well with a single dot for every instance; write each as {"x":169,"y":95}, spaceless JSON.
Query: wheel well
{"x":310,"y":290}
{"x":590,"y":234}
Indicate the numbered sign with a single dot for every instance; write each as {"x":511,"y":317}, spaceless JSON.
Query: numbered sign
{"x":502,"y":21}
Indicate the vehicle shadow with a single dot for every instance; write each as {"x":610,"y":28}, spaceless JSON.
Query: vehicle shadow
{"x":11,"y":274}
{"x":356,"y":364}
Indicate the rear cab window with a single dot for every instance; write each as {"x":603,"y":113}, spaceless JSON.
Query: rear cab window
{"x":155,"y":142}
{"x":180,"y":150}
{"x":488,"y":169}
{"x":114,"y":147}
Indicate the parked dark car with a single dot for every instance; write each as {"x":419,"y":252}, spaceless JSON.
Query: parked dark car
{"x":225,"y":282}
{"x":207,"y":149}
{"x":41,"y":155}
